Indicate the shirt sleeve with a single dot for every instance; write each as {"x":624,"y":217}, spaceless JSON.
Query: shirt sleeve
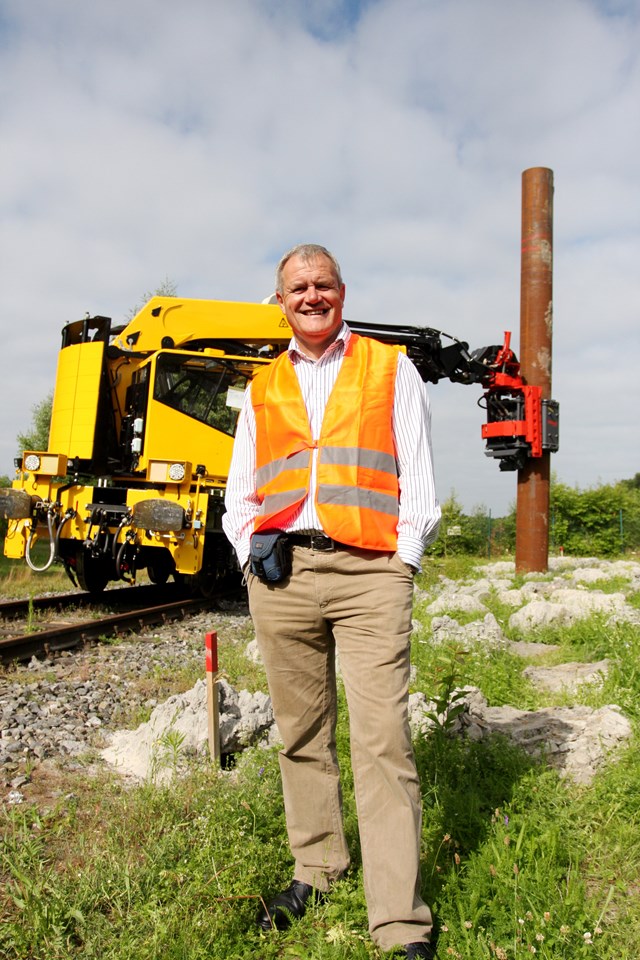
{"x":241,"y":498}
{"x":419,"y":511}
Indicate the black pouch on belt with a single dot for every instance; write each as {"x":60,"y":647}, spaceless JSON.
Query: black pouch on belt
{"x":270,"y":556}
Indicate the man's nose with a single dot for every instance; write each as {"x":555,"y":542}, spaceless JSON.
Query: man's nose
{"x":312,"y":294}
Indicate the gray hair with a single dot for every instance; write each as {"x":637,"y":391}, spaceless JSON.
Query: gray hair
{"x":306,"y":252}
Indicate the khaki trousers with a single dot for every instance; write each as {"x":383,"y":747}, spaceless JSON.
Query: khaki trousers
{"x":357,"y":603}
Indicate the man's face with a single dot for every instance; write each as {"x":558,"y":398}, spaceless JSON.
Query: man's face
{"x":312,"y":301}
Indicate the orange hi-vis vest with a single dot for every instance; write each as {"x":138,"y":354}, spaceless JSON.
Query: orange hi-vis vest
{"x":357,"y":478}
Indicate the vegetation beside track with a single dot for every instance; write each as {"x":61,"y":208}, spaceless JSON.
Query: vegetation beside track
{"x":18,"y":580}
{"x":517,"y":861}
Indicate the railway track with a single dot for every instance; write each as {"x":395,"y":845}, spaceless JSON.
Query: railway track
{"x":145,"y":595}
{"x":25,"y":642}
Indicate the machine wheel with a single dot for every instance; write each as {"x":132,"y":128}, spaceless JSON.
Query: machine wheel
{"x":93,"y":572}
{"x":161,"y":567}
{"x":204,"y":584}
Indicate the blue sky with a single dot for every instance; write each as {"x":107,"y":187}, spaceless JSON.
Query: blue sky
{"x":196,"y":141}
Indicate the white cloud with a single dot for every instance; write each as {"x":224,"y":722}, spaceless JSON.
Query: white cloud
{"x":197,"y":141}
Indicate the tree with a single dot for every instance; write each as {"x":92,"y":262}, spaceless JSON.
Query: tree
{"x":600,"y":521}
{"x":38,"y":437}
{"x":4,"y":482}
{"x":166,"y":289}
{"x":459,"y":533}
{"x":633,"y":483}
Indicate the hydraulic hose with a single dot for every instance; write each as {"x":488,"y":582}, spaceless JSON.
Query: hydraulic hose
{"x":115,"y":552}
{"x":119,"y":563}
{"x":68,"y":515}
{"x":52,"y":545}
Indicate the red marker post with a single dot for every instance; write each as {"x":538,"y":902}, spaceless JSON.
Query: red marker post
{"x":213,"y":715}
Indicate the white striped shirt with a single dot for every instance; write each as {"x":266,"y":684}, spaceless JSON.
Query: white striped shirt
{"x":419,"y":511}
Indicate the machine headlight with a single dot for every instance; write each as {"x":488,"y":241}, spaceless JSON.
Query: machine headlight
{"x":176,"y":471}
{"x":168,"y":471}
{"x":46,"y":464}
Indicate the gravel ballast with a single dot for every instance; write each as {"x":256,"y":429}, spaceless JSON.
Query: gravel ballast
{"x":64,"y":706}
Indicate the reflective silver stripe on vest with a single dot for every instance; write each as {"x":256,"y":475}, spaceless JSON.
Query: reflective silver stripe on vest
{"x":275,"y":502}
{"x":298,"y":461}
{"x":359,"y":457}
{"x":358,"y":497}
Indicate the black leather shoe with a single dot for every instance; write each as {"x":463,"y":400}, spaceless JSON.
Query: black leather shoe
{"x":287,"y":906}
{"x":414,"y":950}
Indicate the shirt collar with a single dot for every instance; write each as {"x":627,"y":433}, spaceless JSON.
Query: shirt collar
{"x":340,"y":343}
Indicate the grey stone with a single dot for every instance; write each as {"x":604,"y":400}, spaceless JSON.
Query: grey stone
{"x":511,"y":597}
{"x":73,"y":747}
{"x":522,"y":648}
{"x":575,"y":741}
{"x":244,"y":718}
{"x":455,"y":600}
{"x":486,"y":631}
{"x":567,"y":676}
{"x":252,"y":652}
{"x":497,"y":569}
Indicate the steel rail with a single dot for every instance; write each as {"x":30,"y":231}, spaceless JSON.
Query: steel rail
{"x":72,"y":635}
{"x":10,"y":609}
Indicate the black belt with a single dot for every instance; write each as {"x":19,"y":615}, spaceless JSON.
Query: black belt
{"x":315,"y":541}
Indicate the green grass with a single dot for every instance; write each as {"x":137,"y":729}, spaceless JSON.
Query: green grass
{"x":610,"y":585}
{"x":453,"y":568}
{"x":19,"y":581}
{"x":515,"y":859}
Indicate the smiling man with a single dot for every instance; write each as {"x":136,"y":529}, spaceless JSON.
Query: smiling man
{"x":330,"y":503}
{"x":311,"y":295}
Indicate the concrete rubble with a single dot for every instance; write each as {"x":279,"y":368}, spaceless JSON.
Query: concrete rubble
{"x":486,"y":631}
{"x":575,"y":741}
{"x":567,"y":676}
{"x":179,"y":726}
{"x":62,"y":715}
